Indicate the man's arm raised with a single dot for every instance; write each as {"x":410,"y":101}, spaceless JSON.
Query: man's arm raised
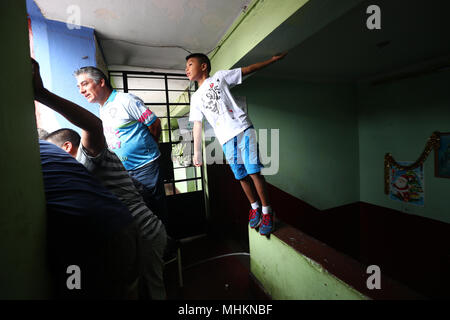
{"x":92,"y":137}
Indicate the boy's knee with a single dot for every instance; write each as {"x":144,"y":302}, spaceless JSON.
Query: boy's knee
{"x":244,"y":178}
{"x":257,"y":176}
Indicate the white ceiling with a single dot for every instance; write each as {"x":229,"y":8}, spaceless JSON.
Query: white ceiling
{"x":151,"y":33}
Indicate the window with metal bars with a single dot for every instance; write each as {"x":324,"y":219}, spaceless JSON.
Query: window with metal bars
{"x":168,"y":96}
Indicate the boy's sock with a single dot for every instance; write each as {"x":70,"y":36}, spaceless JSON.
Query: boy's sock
{"x":255,"y":205}
{"x":255,"y":215}
{"x":266,"y":210}
{"x":266,"y":225}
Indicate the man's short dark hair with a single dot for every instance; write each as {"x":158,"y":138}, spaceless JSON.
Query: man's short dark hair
{"x":93,"y":73}
{"x":202,"y":58}
{"x":42,"y":133}
{"x":60,"y":136}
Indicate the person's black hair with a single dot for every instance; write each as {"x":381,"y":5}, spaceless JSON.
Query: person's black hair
{"x":60,"y":136}
{"x":202,"y":58}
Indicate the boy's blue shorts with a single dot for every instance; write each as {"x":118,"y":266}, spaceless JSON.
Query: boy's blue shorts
{"x":242,"y":154}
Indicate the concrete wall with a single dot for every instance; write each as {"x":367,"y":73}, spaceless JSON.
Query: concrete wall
{"x":23,"y":267}
{"x":289,"y":275}
{"x":260,"y":19}
{"x":399,"y":117}
{"x":333,"y":138}
{"x":60,"y":51}
{"x":22,"y":220}
{"x":318,"y":137}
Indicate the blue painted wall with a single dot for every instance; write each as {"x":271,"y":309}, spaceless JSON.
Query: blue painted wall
{"x":60,"y":51}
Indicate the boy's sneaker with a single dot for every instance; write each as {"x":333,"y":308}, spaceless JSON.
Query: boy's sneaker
{"x":254,"y":218}
{"x":266,"y":224}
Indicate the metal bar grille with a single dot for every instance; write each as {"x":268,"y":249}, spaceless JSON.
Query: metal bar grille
{"x":166,"y":77}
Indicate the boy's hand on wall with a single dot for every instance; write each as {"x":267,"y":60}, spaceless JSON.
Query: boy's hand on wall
{"x":279,"y":56}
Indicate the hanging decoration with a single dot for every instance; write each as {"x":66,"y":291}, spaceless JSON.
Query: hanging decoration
{"x":389,"y":161}
{"x":407,"y":185}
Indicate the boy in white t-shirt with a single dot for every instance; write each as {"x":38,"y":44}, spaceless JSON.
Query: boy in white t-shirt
{"x":233,"y":129}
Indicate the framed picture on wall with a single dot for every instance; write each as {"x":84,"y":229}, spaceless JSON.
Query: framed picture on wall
{"x":442,"y":157}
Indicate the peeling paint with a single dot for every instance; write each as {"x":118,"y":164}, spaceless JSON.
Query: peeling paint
{"x":105,"y":14}
{"x":174,"y":9}
{"x":212,"y":20}
{"x":197,"y":4}
{"x":314,"y":264}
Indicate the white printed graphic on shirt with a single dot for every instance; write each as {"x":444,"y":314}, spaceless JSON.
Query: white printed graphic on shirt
{"x":211,"y":99}
{"x":214,"y":101}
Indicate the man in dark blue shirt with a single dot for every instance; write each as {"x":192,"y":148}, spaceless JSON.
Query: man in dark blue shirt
{"x":87,"y":227}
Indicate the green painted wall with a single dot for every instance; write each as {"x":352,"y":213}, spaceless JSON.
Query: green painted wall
{"x":318,"y":136}
{"x":399,"y":117}
{"x":288,"y":275}
{"x":261,"y":18}
{"x":22,"y":221}
{"x":333,"y":137}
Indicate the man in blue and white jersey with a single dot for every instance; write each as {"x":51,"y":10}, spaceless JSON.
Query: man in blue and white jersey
{"x":132,"y":132}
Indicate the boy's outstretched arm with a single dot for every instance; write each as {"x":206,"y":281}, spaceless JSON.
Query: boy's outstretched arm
{"x":197,"y":132}
{"x":92,"y":137}
{"x":259,"y":65}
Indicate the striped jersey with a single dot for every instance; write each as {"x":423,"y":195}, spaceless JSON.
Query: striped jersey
{"x":107,"y":168}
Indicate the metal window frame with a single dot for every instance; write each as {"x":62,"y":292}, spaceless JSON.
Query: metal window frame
{"x":161,"y":76}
